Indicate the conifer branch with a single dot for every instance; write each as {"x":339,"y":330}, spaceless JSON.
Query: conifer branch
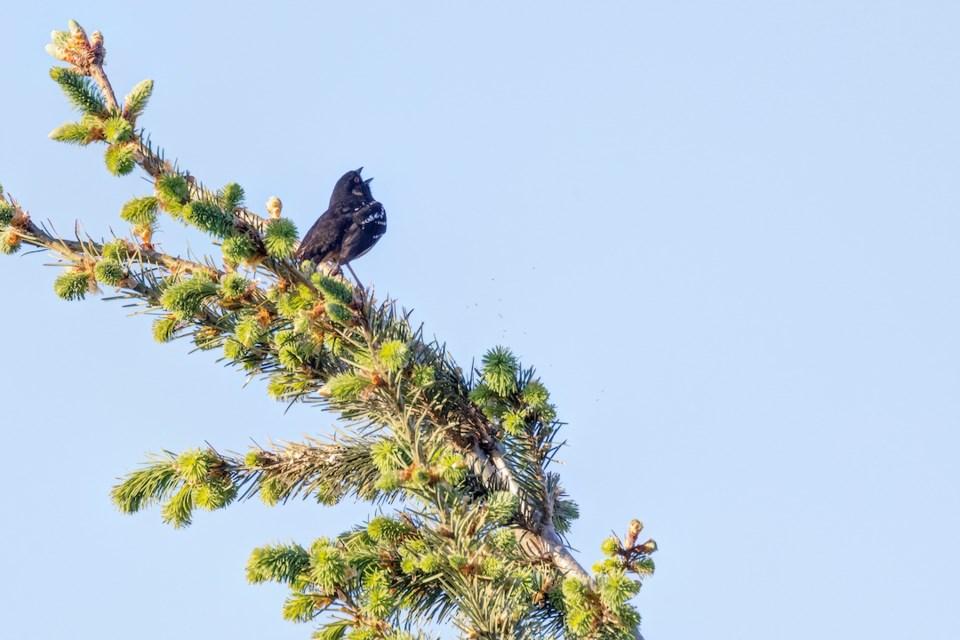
{"x":74,"y":250}
{"x":98,"y":75}
{"x":479,"y":539}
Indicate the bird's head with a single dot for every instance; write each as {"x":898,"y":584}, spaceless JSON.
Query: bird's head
{"x":351,"y":185}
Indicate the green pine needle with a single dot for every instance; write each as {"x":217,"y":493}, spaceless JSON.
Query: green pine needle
{"x":119,"y":159}
{"x":238,"y":248}
{"x":271,"y":491}
{"x":164,"y":329}
{"x":535,"y":395}
{"x":58,"y":40}
{"x":565,"y":511}
{"x":482,"y":394}
{"x":328,"y":567}
{"x":72,"y":285}
{"x":178,"y":511}
{"x":573,"y":592}
{"x":504,"y":540}
{"x":10,"y":241}
{"x":500,"y":371}
{"x":73,"y":133}
{"x":208,"y":217}
{"x":388,"y":481}
{"x":207,"y":339}
{"x":82,"y":92}
{"x":492,"y":567}
{"x":194,"y":464}
{"x":280,"y":238}
{"x":333,"y":631}
{"x":281,"y":338}
{"x":333,"y":290}
{"x":232,"y":197}
{"x":430,"y":563}
{"x":386,"y":456}
{"x":514,"y":423}
{"x":617,"y":588}
{"x":249,"y":332}
{"x":136,"y":100}
{"x":186,"y":299}
{"x":424,"y":375}
{"x":117,"y":129}
{"x":233,"y":286}
{"x":394,"y":355}
{"x":300,"y":607}
{"x":173,"y":191}
{"x":294,"y":354}
{"x":234,"y":350}
{"x":644,"y":566}
{"x":117,"y":249}
{"x":378,"y":600}
{"x":502,"y":506}
{"x":580,"y":622}
{"x":281,"y":563}
{"x":215,"y":494}
{"x":140,"y":212}
{"x":610,"y":546}
{"x":387,"y":529}
{"x":338,"y":313}
{"x":453,"y":469}
{"x":282,"y":388}
{"x":7,"y":212}
{"x":110,"y":272}
{"x":607,"y":565}
{"x":347,"y":386}
{"x":145,"y":487}
{"x":253,"y":459}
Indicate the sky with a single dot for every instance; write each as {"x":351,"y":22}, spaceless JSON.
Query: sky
{"x":724,"y":233}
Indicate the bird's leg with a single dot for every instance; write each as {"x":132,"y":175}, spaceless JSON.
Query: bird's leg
{"x":353,"y":273}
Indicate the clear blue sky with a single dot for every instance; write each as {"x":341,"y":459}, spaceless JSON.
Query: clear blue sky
{"x":725,"y":233}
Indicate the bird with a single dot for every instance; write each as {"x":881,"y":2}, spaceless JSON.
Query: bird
{"x":351,"y":225}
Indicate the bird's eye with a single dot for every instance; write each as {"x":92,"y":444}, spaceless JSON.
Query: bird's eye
{"x":356,"y":179}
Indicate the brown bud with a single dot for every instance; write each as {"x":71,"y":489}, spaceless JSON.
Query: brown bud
{"x":317,"y":310}
{"x":144,"y":236}
{"x":274,"y":207}
{"x":633,"y":530}
{"x":96,"y":46}
{"x":21,"y":220}
{"x":648,"y":547}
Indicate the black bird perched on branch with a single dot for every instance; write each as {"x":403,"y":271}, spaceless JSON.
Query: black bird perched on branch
{"x":349,"y":227}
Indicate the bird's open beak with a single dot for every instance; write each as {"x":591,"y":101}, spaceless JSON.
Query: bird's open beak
{"x":368,"y":181}
{"x":360,"y":170}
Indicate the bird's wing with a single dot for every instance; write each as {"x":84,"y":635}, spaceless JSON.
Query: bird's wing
{"x":369,"y":225}
{"x":372,"y":217}
{"x":323,"y":238}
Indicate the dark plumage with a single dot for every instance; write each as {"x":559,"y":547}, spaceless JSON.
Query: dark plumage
{"x":349,"y":227}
